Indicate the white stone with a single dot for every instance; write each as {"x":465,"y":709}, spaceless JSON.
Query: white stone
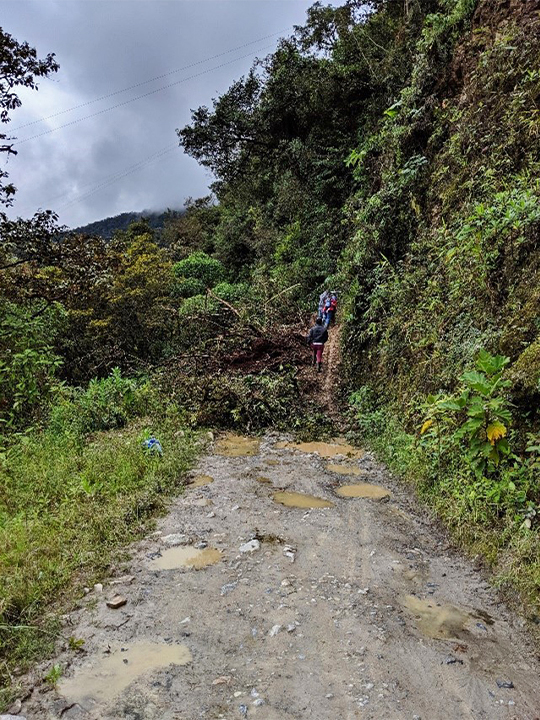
{"x":175,"y":539}
{"x":250,"y":546}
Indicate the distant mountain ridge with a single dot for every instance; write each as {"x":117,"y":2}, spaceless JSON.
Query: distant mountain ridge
{"x":108,"y":226}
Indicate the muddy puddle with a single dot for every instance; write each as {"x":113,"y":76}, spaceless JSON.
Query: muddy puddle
{"x":271,"y":462}
{"x":299,"y":500}
{"x":263,"y":480}
{"x":363,"y":490}
{"x":199,"y":481}
{"x":237,"y":446}
{"x":346,"y":469}
{"x":437,"y":621}
{"x":326,"y":450}
{"x":186,"y":557}
{"x":102,"y":684}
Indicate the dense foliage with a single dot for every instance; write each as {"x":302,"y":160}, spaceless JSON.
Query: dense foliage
{"x":395,"y":155}
{"x":391,"y":151}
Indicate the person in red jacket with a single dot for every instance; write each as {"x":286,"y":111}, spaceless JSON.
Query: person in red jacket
{"x":317,"y":337}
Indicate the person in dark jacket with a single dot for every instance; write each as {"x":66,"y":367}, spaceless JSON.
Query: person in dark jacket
{"x":316,"y":339}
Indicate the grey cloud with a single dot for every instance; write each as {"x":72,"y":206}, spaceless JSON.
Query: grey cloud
{"x":104,"y":46}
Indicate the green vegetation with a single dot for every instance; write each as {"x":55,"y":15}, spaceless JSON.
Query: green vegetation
{"x":390,"y":152}
{"x":73,"y":496}
{"x":404,"y":172}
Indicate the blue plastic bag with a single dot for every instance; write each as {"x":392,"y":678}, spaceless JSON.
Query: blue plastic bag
{"x":153,"y":446}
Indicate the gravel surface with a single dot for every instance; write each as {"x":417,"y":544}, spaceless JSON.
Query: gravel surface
{"x":358,"y":610}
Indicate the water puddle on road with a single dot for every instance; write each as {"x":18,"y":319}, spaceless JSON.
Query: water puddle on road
{"x":326,"y":450}
{"x":271,"y":462}
{"x":346,"y":469}
{"x":199,"y":481}
{"x":263,"y":480}
{"x":101,"y":684}
{"x":188,"y":557}
{"x":363,"y":490}
{"x":237,"y":446}
{"x":299,"y":500}
{"x":437,"y":621}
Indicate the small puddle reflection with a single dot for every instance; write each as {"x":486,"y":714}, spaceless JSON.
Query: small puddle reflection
{"x":188,"y":557}
{"x":327,"y":450}
{"x":271,"y":462}
{"x":363,"y":490}
{"x":299,"y":500}
{"x":263,"y":480}
{"x":439,"y":622}
{"x":346,"y":469}
{"x":91,"y":686}
{"x":237,"y":446}
{"x":200,"y":480}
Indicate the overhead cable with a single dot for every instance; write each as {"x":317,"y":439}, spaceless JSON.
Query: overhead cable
{"x":144,"y":82}
{"x":138,"y":97}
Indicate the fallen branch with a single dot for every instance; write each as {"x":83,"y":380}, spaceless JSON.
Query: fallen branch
{"x":256,"y":329}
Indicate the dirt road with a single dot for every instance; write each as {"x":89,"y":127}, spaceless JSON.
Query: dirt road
{"x":241,"y":606}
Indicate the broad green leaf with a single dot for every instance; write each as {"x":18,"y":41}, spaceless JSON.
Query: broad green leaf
{"x":451,"y":405}
{"x":491,"y":363}
{"x":477,"y":381}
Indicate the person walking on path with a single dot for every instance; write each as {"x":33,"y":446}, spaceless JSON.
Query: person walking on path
{"x":316,"y":339}
{"x":322,"y":303}
{"x":330,"y":308}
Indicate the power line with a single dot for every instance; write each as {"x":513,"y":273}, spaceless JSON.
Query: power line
{"x":118,"y":176}
{"x":138,"y":97}
{"x":144,"y":82}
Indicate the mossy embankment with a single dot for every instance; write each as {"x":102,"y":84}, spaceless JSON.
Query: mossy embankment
{"x":442,"y":264}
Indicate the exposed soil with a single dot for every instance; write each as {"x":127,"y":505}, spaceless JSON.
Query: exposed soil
{"x":358,"y":610}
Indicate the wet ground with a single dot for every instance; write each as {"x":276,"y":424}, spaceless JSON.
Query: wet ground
{"x":280,"y":587}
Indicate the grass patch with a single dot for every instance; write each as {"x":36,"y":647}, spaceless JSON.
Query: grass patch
{"x":68,"y":506}
{"x":480,"y":527}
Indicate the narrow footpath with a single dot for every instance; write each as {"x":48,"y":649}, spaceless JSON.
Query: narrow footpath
{"x":274,"y":590}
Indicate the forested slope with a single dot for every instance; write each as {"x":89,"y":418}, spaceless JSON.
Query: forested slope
{"x":389,"y":152}
{"x":395,"y":156}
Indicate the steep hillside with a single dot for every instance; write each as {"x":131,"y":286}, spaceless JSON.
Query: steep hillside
{"x":394,"y":154}
{"x":443,"y":265}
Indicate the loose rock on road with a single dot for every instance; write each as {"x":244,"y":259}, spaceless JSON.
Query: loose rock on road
{"x":267,"y":594}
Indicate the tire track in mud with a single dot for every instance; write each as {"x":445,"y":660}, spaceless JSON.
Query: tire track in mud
{"x":359,"y":610}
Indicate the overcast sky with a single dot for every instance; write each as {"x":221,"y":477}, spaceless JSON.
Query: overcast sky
{"x":86,"y":171}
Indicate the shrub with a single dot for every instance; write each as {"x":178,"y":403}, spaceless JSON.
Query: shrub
{"x":107,"y":403}
{"x":202,"y":267}
{"x":188,"y":287}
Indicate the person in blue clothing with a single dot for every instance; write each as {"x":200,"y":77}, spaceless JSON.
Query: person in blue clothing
{"x":322,"y":303}
{"x":317,"y":337}
{"x":330,"y":307}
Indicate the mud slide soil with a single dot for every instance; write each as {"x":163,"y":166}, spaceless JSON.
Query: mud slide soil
{"x":247,"y":603}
